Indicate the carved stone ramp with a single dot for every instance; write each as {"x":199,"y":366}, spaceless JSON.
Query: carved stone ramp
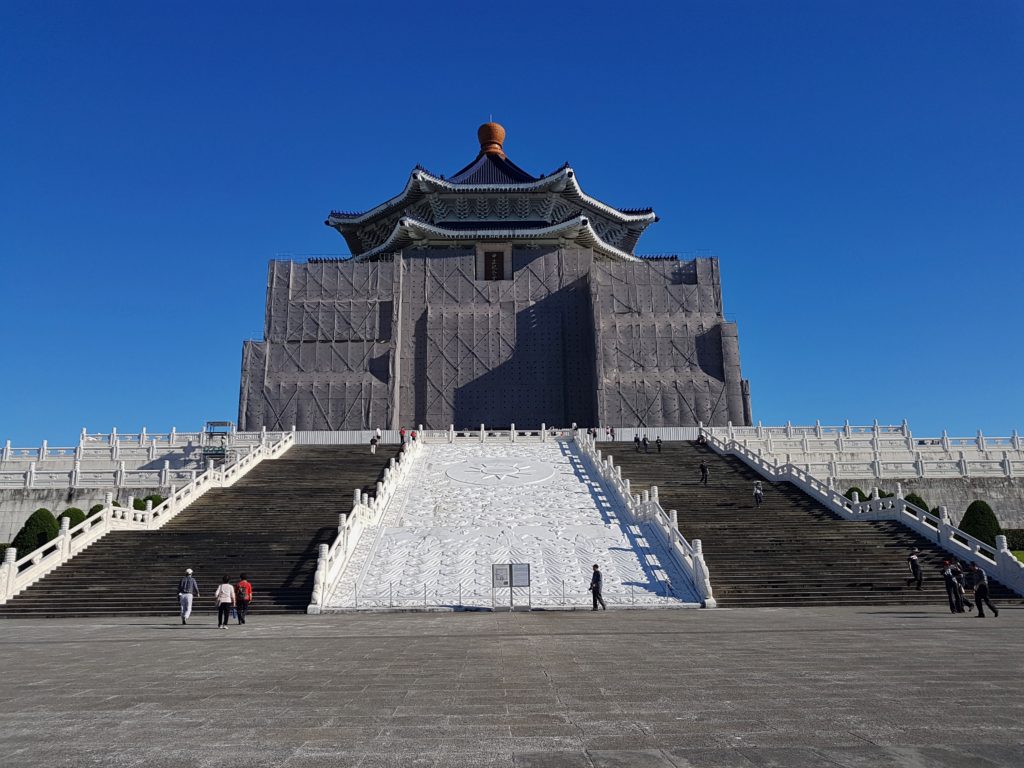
{"x":465,"y":506}
{"x":268,"y":525}
{"x":791,"y":551}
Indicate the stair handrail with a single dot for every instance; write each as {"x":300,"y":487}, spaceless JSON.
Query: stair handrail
{"x":17,"y":574}
{"x":998,"y":561}
{"x":688,"y":555}
{"x":366,"y":511}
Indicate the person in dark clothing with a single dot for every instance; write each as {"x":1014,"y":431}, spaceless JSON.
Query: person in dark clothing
{"x":188,"y":589}
{"x":647,"y":446}
{"x":952,"y":592}
{"x":981,"y":591}
{"x":704,"y":472}
{"x":758,"y":494}
{"x":401,"y":436}
{"x":595,"y":588}
{"x":701,"y":439}
{"x":636,"y":442}
{"x":657,"y":442}
{"x":959,"y":575}
{"x":915,"y":568}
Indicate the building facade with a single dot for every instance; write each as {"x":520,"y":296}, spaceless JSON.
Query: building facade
{"x":493,"y":297}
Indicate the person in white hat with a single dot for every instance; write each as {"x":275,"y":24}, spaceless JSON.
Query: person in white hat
{"x":187,"y":589}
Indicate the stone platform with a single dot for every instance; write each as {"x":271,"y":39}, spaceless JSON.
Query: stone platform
{"x":756,"y":687}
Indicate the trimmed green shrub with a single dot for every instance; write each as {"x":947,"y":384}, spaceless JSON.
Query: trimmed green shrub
{"x":916,"y":500}
{"x":77,"y":516}
{"x":3,"y":548}
{"x":980,"y":522}
{"x":885,"y":494}
{"x":860,"y":494}
{"x":40,"y":528}
{"x":95,"y":509}
{"x":139,"y":504}
{"x":156,"y":498}
{"x":1014,"y":538}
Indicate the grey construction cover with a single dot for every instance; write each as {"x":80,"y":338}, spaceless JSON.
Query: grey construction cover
{"x":493,"y":297}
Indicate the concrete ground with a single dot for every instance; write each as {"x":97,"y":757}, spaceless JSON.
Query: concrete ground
{"x":754,"y":687}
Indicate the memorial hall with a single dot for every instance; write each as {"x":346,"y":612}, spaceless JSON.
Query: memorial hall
{"x":493,"y":296}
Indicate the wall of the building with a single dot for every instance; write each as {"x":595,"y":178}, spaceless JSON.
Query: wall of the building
{"x":422,"y":340}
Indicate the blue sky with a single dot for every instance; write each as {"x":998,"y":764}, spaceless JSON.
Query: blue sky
{"x":856,"y":166}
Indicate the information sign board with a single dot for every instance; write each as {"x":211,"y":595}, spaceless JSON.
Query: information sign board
{"x":520,"y":574}
{"x":501,"y":577}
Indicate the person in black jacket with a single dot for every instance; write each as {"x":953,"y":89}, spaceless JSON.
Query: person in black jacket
{"x":187,"y":589}
{"x":981,"y":591}
{"x":915,"y":568}
{"x":595,"y":588}
{"x":956,"y":605}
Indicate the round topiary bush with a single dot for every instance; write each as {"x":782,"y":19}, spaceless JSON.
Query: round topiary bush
{"x":95,"y":509}
{"x":156,"y":498}
{"x":980,"y":522}
{"x":40,"y":528}
{"x":77,"y":516}
{"x":860,"y":494}
{"x":917,"y":501}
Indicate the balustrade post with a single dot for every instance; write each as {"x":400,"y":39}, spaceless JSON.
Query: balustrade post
{"x":945,"y":441}
{"x":165,"y":474}
{"x":981,"y":441}
{"x":847,"y":432}
{"x":625,"y":482}
{"x":730,"y":432}
{"x":899,"y":490}
{"x":451,"y":433}
{"x":512,"y":433}
{"x":152,"y":450}
{"x":673,"y":515}
{"x":543,"y":432}
{"x":172,"y":438}
{"x":945,"y":526}
{"x":654,"y":493}
{"x":482,"y":438}
{"x":876,"y":466}
{"x":42,"y":451}
{"x":366,"y":499}
{"x":65,"y":538}
{"x":142,"y":436}
{"x":113,"y":435}
{"x":30,"y":475}
{"x":76,"y":473}
{"x":646,"y":497}
{"x":1007,"y":464}
{"x":357,"y":496}
{"x":1014,"y":441}
{"x":817,"y":428}
{"x":962,"y":462}
{"x":6,"y":455}
{"x":7,"y":574}
{"x":856,"y":498}
{"x":789,"y":429}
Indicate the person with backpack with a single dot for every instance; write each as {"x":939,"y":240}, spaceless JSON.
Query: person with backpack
{"x":758,"y":494}
{"x":187,"y":589}
{"x":401,"y":435}
{"x":647,"y":446}
{"x":956,"y":605}
{"x":243,"y":596}
{"x":224,"y":597}
{"x":373,"y":444}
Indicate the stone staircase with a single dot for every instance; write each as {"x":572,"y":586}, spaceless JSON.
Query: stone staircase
{"x":792,"y":551}
{"x":268,"y":525}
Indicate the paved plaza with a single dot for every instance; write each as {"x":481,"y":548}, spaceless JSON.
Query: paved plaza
{"x":755,"y":687}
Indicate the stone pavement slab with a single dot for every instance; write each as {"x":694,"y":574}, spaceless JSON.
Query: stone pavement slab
{"x":663,"y":689}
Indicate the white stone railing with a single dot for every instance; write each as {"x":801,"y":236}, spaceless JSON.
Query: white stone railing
{"x":647,"y":508}
{"x":366,"y":511}
{"x":881,"y":451}
{"x":17,"y":574}
{"x":485,"y":434}
{"x":998,"y":562}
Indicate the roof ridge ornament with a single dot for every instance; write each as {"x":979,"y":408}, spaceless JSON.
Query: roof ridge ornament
{"x":492,"y":137}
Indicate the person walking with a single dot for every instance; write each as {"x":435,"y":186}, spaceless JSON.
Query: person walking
{"x":959,"y":575}
{"x":595,"y":588}
{"x":378,"y":434}
{"x":758,"y":494}
{"x":612,"y":431}
{"x":952,"y":592}
{"x":704,"y":471}
{"x":224,"y":597}
{"x":401,"y":435}
{"x":981,"y":591}
{"x":647,"y":446}
{"x":636,"y":443}
{"x":243,"y":596}
{"x":915,"y":568}
{"x":373,"y":444}
{"x":187,"y":589}
{"x":657,"y":442}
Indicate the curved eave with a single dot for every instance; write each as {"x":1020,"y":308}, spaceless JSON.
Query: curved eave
{"x":421,"y":183}
{"x":410,"y":230}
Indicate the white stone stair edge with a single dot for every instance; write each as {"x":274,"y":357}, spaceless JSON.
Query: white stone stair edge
{"x":646,"y":508}
{"x":998,"y":562}
{"x":366,"y":512}
{"x":17,"y":575}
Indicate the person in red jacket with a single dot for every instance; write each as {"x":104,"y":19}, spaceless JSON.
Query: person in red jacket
{"x":243,"y":596}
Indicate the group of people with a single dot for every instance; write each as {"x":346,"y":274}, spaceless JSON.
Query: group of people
{"x":638,"y":441}
{"x":228,"y":597}
{"x":378,"y":437}
{"x":957,"y":580}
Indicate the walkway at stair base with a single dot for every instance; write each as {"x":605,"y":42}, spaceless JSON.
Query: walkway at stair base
{"x":792,"y":551}
{"x":466,"y":506}
{"x":268,"y":525}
